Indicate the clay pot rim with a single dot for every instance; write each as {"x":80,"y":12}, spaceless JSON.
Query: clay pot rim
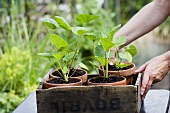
{"x":52,"y":84}
{"x":107,"y":84}
{"x":52,"y":76}
{"x":120,"y":71}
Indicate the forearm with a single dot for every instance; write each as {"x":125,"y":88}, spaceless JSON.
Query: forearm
{"x":148,"y":18}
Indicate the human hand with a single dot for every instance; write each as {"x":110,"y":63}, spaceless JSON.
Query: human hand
{"x":113,"y":58}
{"x":154,"y":71}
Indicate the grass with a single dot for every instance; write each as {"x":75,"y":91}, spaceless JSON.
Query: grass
{"x":21,"y":67}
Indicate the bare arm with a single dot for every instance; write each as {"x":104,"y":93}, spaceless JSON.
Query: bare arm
{"x":148,"y":18}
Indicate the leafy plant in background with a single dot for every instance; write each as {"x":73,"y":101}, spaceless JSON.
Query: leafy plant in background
{"x":13,"y":81}
{"x":21,"y":67}
{"x":9,"y":101}
{"x":104,"y":54}
{"x":65,"y":57}
{"x":17,"y":32}
{"x":13,"y":69}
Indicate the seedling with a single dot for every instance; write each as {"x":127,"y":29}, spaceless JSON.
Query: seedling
{"x":103,"y":53}
{"x":64,"y":56}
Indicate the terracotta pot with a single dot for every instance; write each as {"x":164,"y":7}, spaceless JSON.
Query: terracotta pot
{"x":49,"y":85}
{"x":128,"y":73}
{"x":83,"y":77}
{"x":123,"y":82}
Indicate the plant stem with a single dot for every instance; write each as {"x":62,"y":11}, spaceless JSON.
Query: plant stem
{"x":103,"y":71}
{"x":106,"y":64}
{"x":60,"y":73}
{"x":75,"y":53}
{"x":73,"y":72}
{"x":66,"y":77}
{"x":53,"y":63}
{"x":117,"y":57}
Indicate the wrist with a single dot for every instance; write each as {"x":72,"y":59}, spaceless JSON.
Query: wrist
{"x":167,"y":58}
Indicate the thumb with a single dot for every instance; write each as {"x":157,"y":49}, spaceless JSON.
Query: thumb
{"x":141,"y":68}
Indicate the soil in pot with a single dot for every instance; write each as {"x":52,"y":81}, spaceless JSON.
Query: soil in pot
{"x":73,"y":73}
{"x":62,"y":81}
{"x":112,"y":80}
{"x":113,"y":67}
{"x":53,"y":82}
{"x":56,"y":73}
{"x":76,"y":72}
{"x":126,"y":72}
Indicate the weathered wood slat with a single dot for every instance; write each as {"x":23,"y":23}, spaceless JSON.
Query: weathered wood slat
{"x":89,"y":99}
{"x":138,"y":84}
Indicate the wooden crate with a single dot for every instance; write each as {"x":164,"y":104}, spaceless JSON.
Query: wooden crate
{"x":89,"y":99}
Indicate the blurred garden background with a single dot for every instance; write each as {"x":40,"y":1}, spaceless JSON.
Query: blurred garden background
{"x":23,"y":35}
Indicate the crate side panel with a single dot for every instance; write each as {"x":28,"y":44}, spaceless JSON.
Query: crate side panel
{"x":97,"y":99}
{"x":138,"y":84}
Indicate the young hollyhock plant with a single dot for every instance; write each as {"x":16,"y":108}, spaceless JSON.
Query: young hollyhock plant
{"x":103,"y":53}
{"x":64,"y":56}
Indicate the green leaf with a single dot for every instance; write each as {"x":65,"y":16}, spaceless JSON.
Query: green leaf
{"x":97,"y":34}
{"x":83,"y":66}
{"x":68,"y":56}
{"x":131,"y":49}
{"x":106,"y":43}
{"x":119,"y":41}
{"x":113,"y":31}
{"x":58,"y":42}
{"x":94,"y":65}
{"x":99,"y":51}
{"x":126,"y":55}
{"x":70,"y":50}
{"x":122,"y":65}
{"x":91,"y":37}
{"x":79,"y":30}
{"x":102,"y":60}
{"x":50,"y":23}
{"x":86,"y":18}
{"x":65,"y":69}
{"x":48,"y":55}
{"x":62,"y":23}
{"x":104,"y":34}
{"x":59,"y":55}
{"x":109,"y":54}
